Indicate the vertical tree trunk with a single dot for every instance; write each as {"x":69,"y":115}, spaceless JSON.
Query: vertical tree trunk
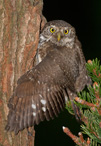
{"x":20,"y":22}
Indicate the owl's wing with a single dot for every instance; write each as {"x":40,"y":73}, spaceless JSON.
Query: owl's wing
{"x":38,"y":96}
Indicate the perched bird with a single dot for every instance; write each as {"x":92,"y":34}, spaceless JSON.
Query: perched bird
{"x":57,"y":75}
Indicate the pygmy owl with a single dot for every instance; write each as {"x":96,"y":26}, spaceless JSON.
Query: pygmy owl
{"x":57,"y":75}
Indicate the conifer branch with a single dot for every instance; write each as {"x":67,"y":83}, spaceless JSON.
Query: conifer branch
{"x":89,"y":102}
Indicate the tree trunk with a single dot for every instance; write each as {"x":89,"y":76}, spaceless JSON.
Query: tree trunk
{"x":20,"y":23}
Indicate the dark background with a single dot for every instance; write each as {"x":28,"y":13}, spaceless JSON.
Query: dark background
{"x":85,"y":16}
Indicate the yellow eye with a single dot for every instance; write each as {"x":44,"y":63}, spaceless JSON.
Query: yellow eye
{"x":66,"y":31}
{"x":52,"y":30}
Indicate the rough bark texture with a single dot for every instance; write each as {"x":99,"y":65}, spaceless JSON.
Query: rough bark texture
{"x":20,"y":22}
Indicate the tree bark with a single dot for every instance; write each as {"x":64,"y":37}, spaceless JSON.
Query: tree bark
{"x":20,"y":23}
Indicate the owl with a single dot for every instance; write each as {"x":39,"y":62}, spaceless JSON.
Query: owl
{"x":58,"y":73}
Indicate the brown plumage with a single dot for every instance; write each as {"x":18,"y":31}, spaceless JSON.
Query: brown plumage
{"x":58,"y":74}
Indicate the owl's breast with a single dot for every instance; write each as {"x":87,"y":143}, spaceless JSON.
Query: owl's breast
{"x":68,"y":59}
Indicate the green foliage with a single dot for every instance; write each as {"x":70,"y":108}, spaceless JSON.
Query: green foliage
{"x":92,"y":128}
{"x":94,"y":70}
{"x":94,"y":143}
{"x":91,"y":107}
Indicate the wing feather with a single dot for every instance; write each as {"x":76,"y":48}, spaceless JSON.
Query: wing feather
{"x":55,"y":103}
{"x":49,"y":107}
{"x":47,"y":114}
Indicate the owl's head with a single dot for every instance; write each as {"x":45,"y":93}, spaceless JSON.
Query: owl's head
{"x":59,"y":33}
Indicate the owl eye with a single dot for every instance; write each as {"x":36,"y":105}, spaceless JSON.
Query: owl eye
{"x":66,"y":31}
{"x":52,"y":30}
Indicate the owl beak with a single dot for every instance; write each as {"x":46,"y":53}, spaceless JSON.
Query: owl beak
{"x":58,"y":37}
